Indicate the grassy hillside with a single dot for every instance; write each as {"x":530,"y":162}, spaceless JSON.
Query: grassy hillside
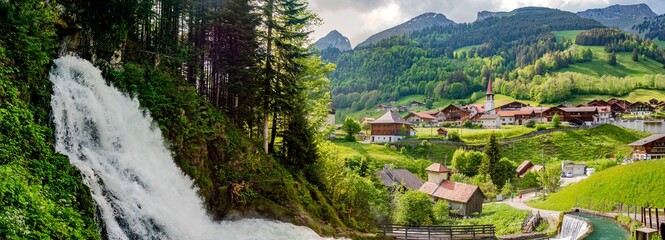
{"x":478,"y":136}
{"x":634,"y":96}
{"x":625,"y":64}
{"x":500,"y":99}
{"x":576,"y":145}
{"x":377,"y":155}
{"x":635,"y":184}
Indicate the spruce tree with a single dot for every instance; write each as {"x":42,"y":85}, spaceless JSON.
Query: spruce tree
{"x":636,"y":56}
{"x":491,"y":158}
{"x":612,"y":59}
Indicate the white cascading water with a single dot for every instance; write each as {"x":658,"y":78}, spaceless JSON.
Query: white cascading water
{"x":138,"y":189}
{"x":573,"y":228}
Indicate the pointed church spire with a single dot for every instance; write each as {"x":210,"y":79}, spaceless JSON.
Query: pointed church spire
{"x":489,"y":103}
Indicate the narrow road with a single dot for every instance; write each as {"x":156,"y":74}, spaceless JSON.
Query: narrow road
{"x":551,"y":216}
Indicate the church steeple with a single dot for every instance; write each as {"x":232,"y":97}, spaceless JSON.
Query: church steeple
{"x":489,"y":103}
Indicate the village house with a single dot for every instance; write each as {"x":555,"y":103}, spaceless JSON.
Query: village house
{"x":604,"y":115}
{"x":538,"y":113}
{"x":652,"y":147}
{"x":573,"y":115}
{"x":390,"y":127}
{"x":417,"y":104}
{"x":381,"y":107}
{"x":516,"y":117}
{"x":440,"y":117}
{"x":513,"y":106}
{"x":420,"y":118}
{"x":402,"y":109}
{"x":640,"y":109}
{"x":526,"y":167}
{"x":455,"y":113}
{"x":399,"y":178}
{"x":490,"y":121}
{"x":462,"y":198}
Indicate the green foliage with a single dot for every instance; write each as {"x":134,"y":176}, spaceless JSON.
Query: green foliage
{"x":507,"y":188}
{"x":413,"y":208}
{"x":492,"y":164}
{"x":540,"y":127}
{"x":556,"y":122}
{"x":551,"y":179}
{"x":637,"y":184}
{"x":503,"y":172}
{"x":528,"y":181}
{"x":467,"y":124}
{"x":530,"y":124}
{"x":467,"y":162}
{"x":636,"y":55}
{"x":454,"y":136}
{"x":612,"y":59}
{"x":441,"y":212}
{"x":351,"y":127}
{"x":506,"y":219}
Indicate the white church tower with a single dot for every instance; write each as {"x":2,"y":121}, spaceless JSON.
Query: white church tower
{"x":489,"y":104}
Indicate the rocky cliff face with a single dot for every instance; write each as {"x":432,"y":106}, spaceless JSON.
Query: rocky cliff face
{"x":334,"y":39}
{"x":620,"y":16}
{"x":482,"y":15}
{"x":416,"y":24}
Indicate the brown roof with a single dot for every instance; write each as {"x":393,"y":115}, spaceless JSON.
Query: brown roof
{"x":647,"y":140}
{"x":423,"y":115}
{"x":449,"y":190}
{"x":524,"y":165}
{"x":578,"y":109}
{"x":390,"y":117}
{"x":401,"y":177}
{"x":515,"y":113}
{"x":437,"y":167}
{"x":604,"y":109}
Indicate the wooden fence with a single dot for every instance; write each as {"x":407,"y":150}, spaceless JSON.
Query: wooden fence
{"x":439,"y":232}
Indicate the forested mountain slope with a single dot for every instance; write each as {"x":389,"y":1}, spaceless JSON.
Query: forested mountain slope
{"x":418,"y":23}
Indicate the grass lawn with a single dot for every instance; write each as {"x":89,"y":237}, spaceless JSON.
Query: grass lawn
{"x":478,"y":136}
{"x":378,"y":155}
{"x":563,"y":35}
{"x":506,"y":219}
{"x":602,"y":142}
{"x":634,"y":184}
{"x":660,"y":42}
{"x":467,"y":48}
{"x":625,"y":64}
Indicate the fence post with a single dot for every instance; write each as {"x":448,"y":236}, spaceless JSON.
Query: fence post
{"x":657,"y":221}
{"x":650,"y":222}
{"x":406,"y":232}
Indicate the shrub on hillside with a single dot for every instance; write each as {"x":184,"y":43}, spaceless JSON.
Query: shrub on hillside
{"x":413,"y":208}
{"x":441,"y":212}
{"x":541,"y":128}
{"x":531,"y":123}
{"x":454,"y":136}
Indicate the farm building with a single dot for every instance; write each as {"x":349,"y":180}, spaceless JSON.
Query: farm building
{"x":526,"y":167}
{"x":648,"y":148}
{"x":392,"y":178}
{"x":491,"y":121}
{"x":390,"y":127}
{"x":420,"y":118}
{"x":463,"y":198}
{"x":576,"y":169}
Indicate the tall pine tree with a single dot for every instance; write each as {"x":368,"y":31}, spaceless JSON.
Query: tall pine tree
{"x":491,"y":160}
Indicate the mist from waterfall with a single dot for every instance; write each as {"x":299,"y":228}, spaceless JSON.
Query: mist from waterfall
{"x":573,"y":228}
{"x":139,"y":191}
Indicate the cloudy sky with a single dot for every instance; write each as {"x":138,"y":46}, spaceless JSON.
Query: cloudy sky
{"x":359,"y":19}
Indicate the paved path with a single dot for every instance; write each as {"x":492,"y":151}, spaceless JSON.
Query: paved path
{"x":567,"y":181}
{"x":551,"y":216}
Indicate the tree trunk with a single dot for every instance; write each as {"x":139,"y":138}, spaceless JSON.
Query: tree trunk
{"x":268,"y":76}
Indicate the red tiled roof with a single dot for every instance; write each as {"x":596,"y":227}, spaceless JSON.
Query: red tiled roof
{"x":437,"y":167}
{"x":390,"y":117}
{"x":449,"y":190}
{"x":524,"y":165}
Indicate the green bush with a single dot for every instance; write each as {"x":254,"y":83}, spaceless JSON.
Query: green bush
{"x":413,"y":208}
{"x":454,"y":136}
{"x":530,"y":124}
{"x":541,"y":128}
{"x":441,"y":212}
{"x":467,"y":124}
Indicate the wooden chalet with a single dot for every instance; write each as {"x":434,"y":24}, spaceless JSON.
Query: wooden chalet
{"x":652,"y":147}
{"x":513,"y":106}
{"x":623,"y":103}
{"x":402,"y":109}
{"x":518,"y":117}
{"x":463,"y":198}
{"x":526,"y":167}
{"x":574,"y":115}
{"x":420,"y":118}
{"x":597,"y":103}
{"x":641,"y":109}
{"x":417,"y":104}
{"x":390,"y":127}
{"x":455,"y":113}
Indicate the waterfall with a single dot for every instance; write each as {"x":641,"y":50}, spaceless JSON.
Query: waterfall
{"x":139,"y":191}
{"x":573,"y":228}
